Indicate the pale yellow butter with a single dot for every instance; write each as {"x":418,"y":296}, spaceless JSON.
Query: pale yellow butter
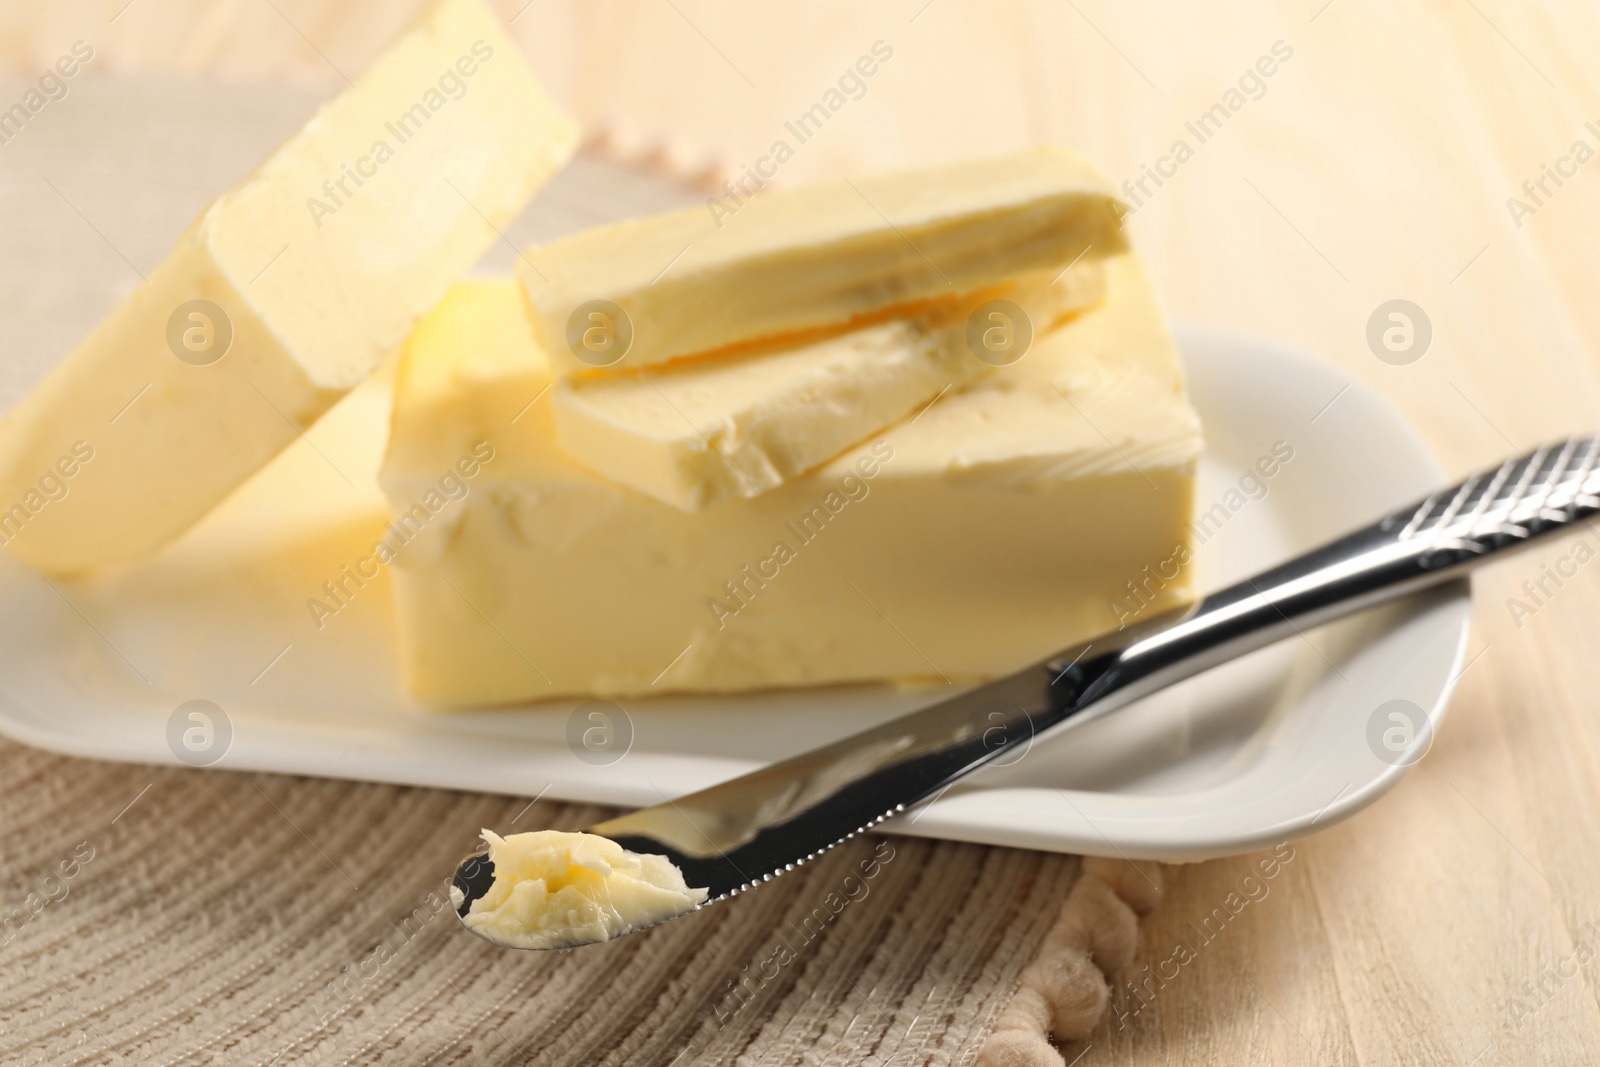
{"x":742,"y":424}
{"x":646,"y":291}
{"x":1009,"y":519}
{"x":283,"y":295}
{"x":553,"y":889}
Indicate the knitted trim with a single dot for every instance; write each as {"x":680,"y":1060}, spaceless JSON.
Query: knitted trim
{"x":1063,"y":993}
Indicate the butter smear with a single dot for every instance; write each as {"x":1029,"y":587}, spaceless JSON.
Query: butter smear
{"x":554,"y":889}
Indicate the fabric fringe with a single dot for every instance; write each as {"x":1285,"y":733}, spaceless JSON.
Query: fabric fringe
{"x":1063,"y":993}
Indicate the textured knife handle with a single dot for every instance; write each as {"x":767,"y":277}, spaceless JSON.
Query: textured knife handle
{"x":1520,"y":500}
{"x":1452,"y":530}
{"x":1431,"y":542}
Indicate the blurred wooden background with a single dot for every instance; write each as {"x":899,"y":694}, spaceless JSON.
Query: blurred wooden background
{"x":1376,"y":162}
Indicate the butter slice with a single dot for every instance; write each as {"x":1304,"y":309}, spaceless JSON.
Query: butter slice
{"x":1010,"y":519}
{"x":743,"y":424}
{"x":788,"y":261}
{"x":553,"y":889}
{"x":311,"y":271}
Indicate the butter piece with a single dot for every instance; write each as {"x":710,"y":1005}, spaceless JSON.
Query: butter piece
{"x":553,"y":889}
{"x":744,"y":423}
{"x":283,"y":295}
{"x":793,"y":260}
{"x":1002,"y":524}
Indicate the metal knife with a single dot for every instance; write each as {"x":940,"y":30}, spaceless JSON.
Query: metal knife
{"x":747,"y":831}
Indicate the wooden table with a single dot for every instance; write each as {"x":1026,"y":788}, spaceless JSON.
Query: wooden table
{"x":1377,"y":161}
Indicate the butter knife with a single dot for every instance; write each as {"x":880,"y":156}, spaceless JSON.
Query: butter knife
{"x":751,"y":829}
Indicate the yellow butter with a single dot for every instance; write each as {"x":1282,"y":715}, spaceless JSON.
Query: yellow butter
{"x":1006,"y":521}
{"x":553,"y":889}
{"x":646,"y":291}
{"x":283,"y":295}
{"x":740,"y":425}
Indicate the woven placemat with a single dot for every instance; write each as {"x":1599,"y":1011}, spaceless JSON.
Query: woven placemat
{"x":174,"y":916}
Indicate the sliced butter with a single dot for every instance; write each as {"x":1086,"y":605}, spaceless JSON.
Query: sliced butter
{"x":646,"y":291}
{"x":1013,"y":517}
{"x":742,"y":424}
{"x":553,"y":889}
{"x":284,"y":294}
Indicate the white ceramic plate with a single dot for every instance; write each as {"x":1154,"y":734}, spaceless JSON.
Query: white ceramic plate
{"x":1268,"y":748}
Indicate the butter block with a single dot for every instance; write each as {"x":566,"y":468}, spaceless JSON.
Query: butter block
{"x":1006,"y":521}
{"x":650,"y":290}
{"x":283,"y":295}
{"x":740,"y":425}
{"x":554,"y":889}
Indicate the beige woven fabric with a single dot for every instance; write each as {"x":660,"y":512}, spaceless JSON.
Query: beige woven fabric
{"x":173,"y":916}
{"x":255,"y":919}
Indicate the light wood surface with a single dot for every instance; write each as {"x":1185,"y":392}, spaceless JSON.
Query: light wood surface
{"x":1377,"y":165}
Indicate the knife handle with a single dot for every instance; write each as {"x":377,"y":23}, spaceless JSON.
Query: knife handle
{"x":1434,"y":541}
